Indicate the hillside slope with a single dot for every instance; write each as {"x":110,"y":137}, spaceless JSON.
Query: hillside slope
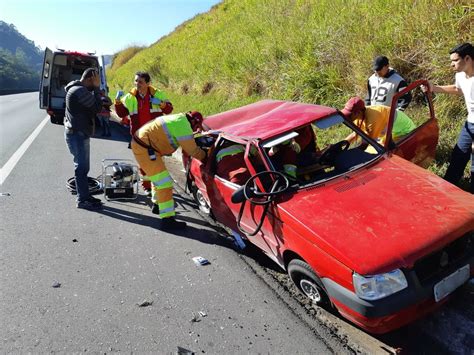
{"x":20,"y":59}
{"x":315,"y":51}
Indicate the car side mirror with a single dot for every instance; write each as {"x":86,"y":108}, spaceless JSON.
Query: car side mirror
{"x":238,"y":196}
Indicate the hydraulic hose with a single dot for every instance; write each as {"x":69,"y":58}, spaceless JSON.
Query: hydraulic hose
{"x":95,"y":185}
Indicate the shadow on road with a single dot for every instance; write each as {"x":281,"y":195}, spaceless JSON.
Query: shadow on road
{"x":199,"y":234}
{"x":217,"y":236}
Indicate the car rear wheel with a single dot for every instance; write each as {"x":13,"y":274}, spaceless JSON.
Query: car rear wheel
{"x":201,"y":201}
{"x":308,"y":282}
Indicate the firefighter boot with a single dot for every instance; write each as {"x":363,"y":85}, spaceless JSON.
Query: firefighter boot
{"x":170,"y":223}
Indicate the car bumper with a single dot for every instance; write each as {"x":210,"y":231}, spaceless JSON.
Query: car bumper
{"x":394,"y":311}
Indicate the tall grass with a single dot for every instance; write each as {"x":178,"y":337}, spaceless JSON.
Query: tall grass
{"x":316,"y":51}
{"x":124,"y":56}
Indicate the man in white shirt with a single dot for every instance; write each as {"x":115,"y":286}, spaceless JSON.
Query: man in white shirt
{"x":462,"y":62}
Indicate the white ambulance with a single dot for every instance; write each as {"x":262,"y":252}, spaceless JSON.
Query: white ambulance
{"x":59,"y":68}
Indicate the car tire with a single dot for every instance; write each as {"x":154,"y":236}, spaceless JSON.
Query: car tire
{"x":308,"y":283}
{"x":201,"y":202}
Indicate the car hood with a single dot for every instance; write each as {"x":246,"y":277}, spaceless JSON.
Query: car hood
{"x":381,"y":218}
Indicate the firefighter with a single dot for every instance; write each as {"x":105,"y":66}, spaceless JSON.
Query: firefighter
{"x":142,"y":104}
{"x":373,"y":120}
{"x":162,"y":137}
{"x":302,"y":147}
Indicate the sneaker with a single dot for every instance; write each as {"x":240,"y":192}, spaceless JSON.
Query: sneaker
{"x":88,"y":205}
{"x":92,"y":199}
{"x":170,"y":223}
{"x":155,"y":209}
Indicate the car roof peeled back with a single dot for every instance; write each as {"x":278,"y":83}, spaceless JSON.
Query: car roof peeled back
{"x":267,"y":118}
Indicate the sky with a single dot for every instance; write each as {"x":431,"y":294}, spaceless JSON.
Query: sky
{"x":101,"y":26}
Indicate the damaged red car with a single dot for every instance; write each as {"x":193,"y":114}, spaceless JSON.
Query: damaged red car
{"x":362,"y":227}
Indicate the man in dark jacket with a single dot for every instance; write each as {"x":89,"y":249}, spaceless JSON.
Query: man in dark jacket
{"x":83,"y":102}
{"x":384,"y":84}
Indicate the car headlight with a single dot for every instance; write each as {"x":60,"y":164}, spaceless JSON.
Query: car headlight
{"x":375,"y":287}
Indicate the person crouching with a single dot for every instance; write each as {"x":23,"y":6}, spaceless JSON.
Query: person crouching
{"x":158,"y":138}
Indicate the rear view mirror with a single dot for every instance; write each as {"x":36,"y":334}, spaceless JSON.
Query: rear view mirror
{"x":238,"y":196}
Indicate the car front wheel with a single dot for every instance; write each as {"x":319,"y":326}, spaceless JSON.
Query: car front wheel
{"x":201,"y":201}
{"x":308,"y":283}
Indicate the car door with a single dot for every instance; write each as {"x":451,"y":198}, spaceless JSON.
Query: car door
{"x":253,"y":214}
{"x":216,"y":190}
{"x":45,"y":82}
{"x":419,"y":146}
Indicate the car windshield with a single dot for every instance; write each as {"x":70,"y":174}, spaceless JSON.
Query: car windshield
{"x":327,"y":148}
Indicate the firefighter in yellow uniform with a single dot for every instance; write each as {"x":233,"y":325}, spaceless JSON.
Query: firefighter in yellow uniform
{"x":162,"y":137}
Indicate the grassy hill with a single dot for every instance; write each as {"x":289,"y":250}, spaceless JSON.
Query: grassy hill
{"x":317,"y":51}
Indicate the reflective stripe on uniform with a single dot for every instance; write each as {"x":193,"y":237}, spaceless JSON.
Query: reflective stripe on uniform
{"x":290,"y":169}
{"x":184,"y":138}
{"x":168,"y":214}
{"x":166,"y":208}
{"x":131,"y":103}
{"x":170,"y":138}
{"x":178,"y":127}
{"x":161,"y":180}
{"x":231,"y":150}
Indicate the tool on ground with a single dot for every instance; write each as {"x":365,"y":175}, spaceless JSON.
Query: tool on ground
{"x":120,"y":179}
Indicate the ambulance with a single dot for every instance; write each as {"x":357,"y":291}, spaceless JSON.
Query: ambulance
{"x":59,"y":68}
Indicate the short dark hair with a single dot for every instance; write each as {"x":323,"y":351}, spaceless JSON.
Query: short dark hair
{"x":463,"y":50}
{"x":88,"y":73}
{"x":143,"y":75}
{"x":379,"y":62}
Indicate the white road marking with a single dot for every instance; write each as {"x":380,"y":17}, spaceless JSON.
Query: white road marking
{"x":15,"y":158}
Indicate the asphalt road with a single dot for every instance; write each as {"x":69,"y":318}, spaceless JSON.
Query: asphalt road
{"x":19,"y":116}
{"x":109,"y":262}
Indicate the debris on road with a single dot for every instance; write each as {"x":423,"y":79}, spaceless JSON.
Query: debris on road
{"x":197,"y":316}
{"x":199,"y":260}
{"x":238,"y":241}
{"x":145,"y":303}
{"x":183,"y":351}
{"x":56,"y":284}
{"x":74,"y":240}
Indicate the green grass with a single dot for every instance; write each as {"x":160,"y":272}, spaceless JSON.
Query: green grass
{"x":317,"y":51}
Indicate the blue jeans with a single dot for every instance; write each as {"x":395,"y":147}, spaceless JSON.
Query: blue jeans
{"x":460,"y":156}
{"x":79,"y":146}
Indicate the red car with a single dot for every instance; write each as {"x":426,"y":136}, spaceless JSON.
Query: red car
{"x":360,"y":227}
